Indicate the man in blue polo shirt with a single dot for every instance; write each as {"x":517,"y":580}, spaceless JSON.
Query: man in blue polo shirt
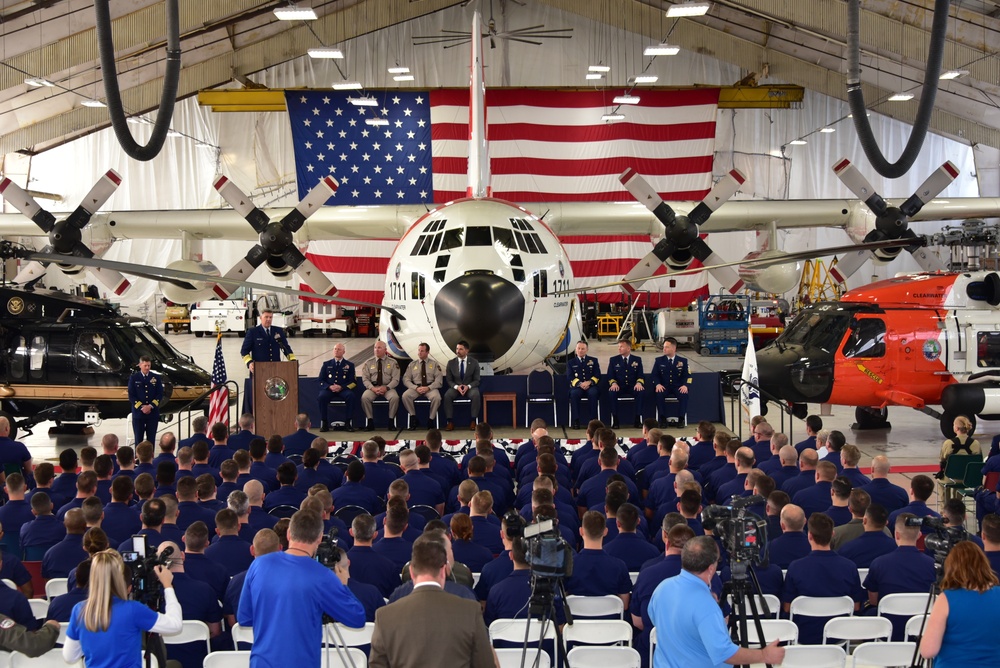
{"x":813,"y":424}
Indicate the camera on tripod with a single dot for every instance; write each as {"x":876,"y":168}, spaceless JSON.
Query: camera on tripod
{"x":941,"y":539}
{"x":142,"y":562}
{"x":548,"y":555}
{"x":743,"y":534}
{"x":329,"y":551}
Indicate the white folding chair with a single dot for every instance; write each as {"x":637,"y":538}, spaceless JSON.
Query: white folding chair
{"x":598,"y":632}
{"x":513,"y":631}
{"x":596,"y":606}
{"x":191,"y":631}
{"x":814,"y":656}
{"x":62,"y":636}
{"x":862,"y":573}
{"x":652,"y":644}
{"x":633,"y":575}
{"x":352,"y":637}
{"x":904,"y":605}
{"x":228,"y":660}
{"x":914,"y":625}
{"x":242,"y":634}
{"x":9,"y":583}
{"x":338,"y":660}
{"x":510,"y":657}
{"x":51,"y":659}
{"x":844,"y":630}
{"x":55,"y":587}
{"x":884,"y":654}
{"x":821,"y":606}
{"x":4,"y":659}
{"x":782,"y":630}
{"x":39,"y":607}
{"x":773,"y":604}
{"x":475,"y":579}
{"x":597,"y":656}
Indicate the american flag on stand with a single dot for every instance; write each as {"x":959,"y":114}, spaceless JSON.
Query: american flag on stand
{"x":544,"y":145}
{"x":218,"y":409}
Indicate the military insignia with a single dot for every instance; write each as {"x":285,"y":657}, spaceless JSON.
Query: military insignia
{"x":7,"y":623}
{"x":635,"y":365}
{"x":152,"y":381}
{"x":679,"y":365}
{"x":277,"y":337}
{"x":15,"y":305}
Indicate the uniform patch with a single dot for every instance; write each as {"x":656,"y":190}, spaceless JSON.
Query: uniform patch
{"x":7,"y":623}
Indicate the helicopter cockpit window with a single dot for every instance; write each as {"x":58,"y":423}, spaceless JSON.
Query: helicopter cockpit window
{"x":36,"y":357}
{"x":817,"y":329}
{"x":95,"y":354}
{"x":988,"y":349}
{"x":867,"y":339}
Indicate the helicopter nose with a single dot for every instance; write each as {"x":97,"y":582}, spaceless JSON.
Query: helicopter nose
{"x":484,"y":309}
{"x":794,"y":374}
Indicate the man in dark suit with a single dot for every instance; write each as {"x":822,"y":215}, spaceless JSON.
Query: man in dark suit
{"x":463,"y":381}
{"x":411,"y":632}
{"x":625,"y":380}
{"x":672,"y":380}
{"x":584,"y":374}
{"x":337,"y":380}
{"x":145,"y":392}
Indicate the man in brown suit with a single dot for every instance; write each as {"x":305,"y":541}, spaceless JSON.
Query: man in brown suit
{"x":430,"y":628}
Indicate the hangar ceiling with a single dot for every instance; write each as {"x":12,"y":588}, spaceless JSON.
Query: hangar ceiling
{"x":798,"y":42}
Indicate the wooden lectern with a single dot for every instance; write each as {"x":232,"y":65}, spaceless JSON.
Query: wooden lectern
{"x":275,"y":397}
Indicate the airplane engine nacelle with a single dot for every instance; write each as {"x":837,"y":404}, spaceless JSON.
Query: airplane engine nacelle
{"x":981,"y":399}
{"x":70,"y":269}
{"x":680,"y":260}
{"x":186,"y":293}
{"x":776,"y":279}
{"x":886,"y":254}
{"x":278,"y":267}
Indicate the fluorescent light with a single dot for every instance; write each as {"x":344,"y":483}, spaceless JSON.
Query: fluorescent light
{"x":594,"y":75}
{"x":645,"y":79}
{"x":689,"y":9}
{"x":613,"y":117}
{"x":661,"y":50}
{"x":376,"y":121}
{"x":174,"y":133}
{"x":827,"y":131}
{"x":599,"y":68}
{"x":900,"y":97}
{"x":403,"y":77}
{"x":295,"y":13}
{"x":398,"y":70}
{"x":798,"y":142}
{"x":953,"y":74}
{"x":93,"y":103}
{"x":325,"y":52}
{"x":38,"y":82}
{"x":347,"y":85}
{"x":627,"y":99}
{"x":363,"y":101}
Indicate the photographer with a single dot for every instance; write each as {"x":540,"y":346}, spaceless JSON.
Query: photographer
{"x":961,"y":629}
{"x":107,"y":628}
{"x":286,"y":593}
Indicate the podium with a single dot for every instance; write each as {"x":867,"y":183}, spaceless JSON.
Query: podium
{"x":275,"y":397}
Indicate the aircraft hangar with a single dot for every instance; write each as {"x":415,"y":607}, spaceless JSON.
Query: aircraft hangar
{"x":782,"y":118}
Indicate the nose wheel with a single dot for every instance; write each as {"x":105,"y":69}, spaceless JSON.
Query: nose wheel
{"x":871,"y":418}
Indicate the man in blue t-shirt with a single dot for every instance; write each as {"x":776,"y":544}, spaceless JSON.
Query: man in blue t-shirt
{"x":285,"y":595}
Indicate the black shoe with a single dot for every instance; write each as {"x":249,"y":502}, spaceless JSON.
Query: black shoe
{"x":370,"y":425}
{"x":575,"y":425}
{"x":348,"y":427}
{"x":681,"y":424}
{"x":614,"y":424}
{"x":663,"y":424}
{"x":637,"y":423}
{"x":324,"y":426}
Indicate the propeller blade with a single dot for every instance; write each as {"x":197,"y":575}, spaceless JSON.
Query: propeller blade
{"x":645,"y":195}
{"x":241,"y":204}
{"x":310,"y":204}
{"x":30,"y":272}
{"x":716,"y":266}
{"x":931,"y":188}
{"x":858,"y":184}
{"x":717,"y":196}
{"x":316,"y":279}
{"x":927,"y":260}
{"x":26,"y":204}
{"x":240,"y":271}
{"x":109,"y":278}
{"x":642,"y":271}
{"x":95,"y":199}
{"x":848,"y":263}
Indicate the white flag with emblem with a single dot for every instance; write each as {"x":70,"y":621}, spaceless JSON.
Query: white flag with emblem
{"x":749,"y":394}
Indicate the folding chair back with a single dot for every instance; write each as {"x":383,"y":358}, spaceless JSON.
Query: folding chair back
{"x":814,"y":656}
{"x":856,"y":628}
{"x":596,"y":606}
{"x":598,"y":632}
{"x":915,"y":626}
{"x":510,"y":657}
{"x":821,"y":606}
{"x":55,"y":587}
{"x":596,"y":656}
{"x":884,"y":654}
{"x":239,"y":659}
{"x":904,"y":605}
{"x":782,"y":630}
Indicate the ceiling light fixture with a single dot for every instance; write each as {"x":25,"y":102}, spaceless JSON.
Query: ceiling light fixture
{"x":325,"y":52}
{"x":347,"y":85}
{"x":403,"y":77}
{"x":294,"y":13}
{"x":398,"y":70}
{"x":798,"y":142}
{"x":688,"y":9}
{"x":594,"y":76}
{"x":827,"y":131}
{"x":363,"y":101}
{"x":376,"y":121}
{"x":174,"y":133}
{"x":38,"y":82}
{"x":953,"y":74}
{"x":901,"y":97}
{"x":599,"y":68}
{"x":661,"y":50}
{"x":644,"y":79}
{"x":93,"y":103}
{"x":626,"y":99}
{"x":613,"y":117}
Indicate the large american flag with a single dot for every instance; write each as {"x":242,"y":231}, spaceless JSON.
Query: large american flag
{"x":218,"y":409}
{"x":544,"y":145}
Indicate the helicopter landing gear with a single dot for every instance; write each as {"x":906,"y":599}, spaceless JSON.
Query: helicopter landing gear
{"x":871,"y":418}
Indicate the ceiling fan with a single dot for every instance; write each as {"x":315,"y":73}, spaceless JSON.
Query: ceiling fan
{"x":529,"y":35}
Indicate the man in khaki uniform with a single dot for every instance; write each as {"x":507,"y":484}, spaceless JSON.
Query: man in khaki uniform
{"x":16,"y":638}
{"x":380,"y":375}
{"x":423,"y":377}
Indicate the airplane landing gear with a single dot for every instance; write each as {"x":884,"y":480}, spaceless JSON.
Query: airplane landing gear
{"x":871,"y":418}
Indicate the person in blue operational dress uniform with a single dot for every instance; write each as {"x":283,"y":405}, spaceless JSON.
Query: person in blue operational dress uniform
{"x":337,"y":380}
{"x":625,"y":380}
{"x":584,"y":374}
{"x":263,"y":343}
{"x":671,"y":380}
{"x":145,"y":393}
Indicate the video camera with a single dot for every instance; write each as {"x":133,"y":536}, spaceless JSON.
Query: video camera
{"x":548,"y":555}
{"x":329,"y":551}
{"x":941,"y":539}
{"x":743,"y":534}
{"x":142,"y":561}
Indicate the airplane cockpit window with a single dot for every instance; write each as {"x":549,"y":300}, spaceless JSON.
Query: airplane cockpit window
{"x":988,"y":349}
{"x":36,"y":357}
{"x":821,"y":330}
{"x":867,"y":339}
{"x":430,"y":241}
{"x":94,"y":354}
{"x":452,"y":239}
{"x":478,"y":236}
{"x":504,"y":237}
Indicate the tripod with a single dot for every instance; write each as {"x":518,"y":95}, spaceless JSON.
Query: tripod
{"x":742,"y":588}
{"x":542,"y":603}
{"x":329,"y":630}
{"x":917,"y":660}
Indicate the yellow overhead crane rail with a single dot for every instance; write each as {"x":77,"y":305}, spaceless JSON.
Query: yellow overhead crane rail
{"x":730,"y":97}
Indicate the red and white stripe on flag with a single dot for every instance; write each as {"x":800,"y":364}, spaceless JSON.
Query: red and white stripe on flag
{"x":218,"y":407}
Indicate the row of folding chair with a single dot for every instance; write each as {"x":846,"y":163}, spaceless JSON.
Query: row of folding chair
{"x":241,"y":659}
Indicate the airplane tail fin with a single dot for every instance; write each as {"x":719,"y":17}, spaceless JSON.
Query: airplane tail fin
{"x":479,"y":157}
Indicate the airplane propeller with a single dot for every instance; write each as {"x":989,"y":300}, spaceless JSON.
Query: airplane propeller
{"x":891,"y":222}
{"x":276,"y":244}
{"x":65,"y":235}
{"x":681,"y":239}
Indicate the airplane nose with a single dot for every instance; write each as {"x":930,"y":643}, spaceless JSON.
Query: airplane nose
{"x":790,"y":373}
{"x":484,"y":309}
